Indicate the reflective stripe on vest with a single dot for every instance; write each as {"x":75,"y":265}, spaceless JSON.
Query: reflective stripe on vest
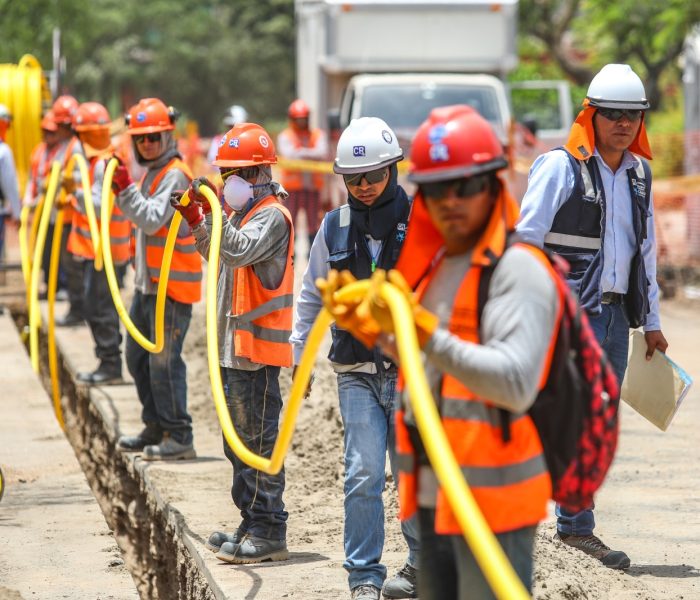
{"x":184,"y":280}
{"x":573,"y":241}
{"x":509,"y":480}
{"x":263,"y":317}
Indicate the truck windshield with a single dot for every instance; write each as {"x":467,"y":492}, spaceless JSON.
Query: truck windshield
{"x":406,"y":106}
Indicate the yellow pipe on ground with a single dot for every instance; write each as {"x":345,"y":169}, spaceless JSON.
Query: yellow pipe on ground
{"x":89,"y":204}
{"x":161,"y":295}
{"x":33,"y":308}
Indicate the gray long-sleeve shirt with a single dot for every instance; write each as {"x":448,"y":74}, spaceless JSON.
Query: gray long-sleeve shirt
{"x":262,"y":242}
{"x":9,"y":190}
{"x":515,"y":330}
{"x":149,"y":214}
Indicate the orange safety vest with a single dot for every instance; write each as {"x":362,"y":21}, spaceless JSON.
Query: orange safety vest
{"x":69,"y":211}
{"x":80,"y":240}
{"x":509,"y":480}
{"x":185,"y":280}
{"x":293,"y":181}
{"x":264,"y":317}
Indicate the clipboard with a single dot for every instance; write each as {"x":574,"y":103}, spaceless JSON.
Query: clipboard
{"x":655,"y":388}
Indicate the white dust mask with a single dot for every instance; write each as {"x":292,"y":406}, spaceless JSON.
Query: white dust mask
{"x":237,"y":192}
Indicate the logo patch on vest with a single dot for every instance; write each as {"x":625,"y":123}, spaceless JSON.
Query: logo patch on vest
{"x":640,"y":187}
{"x":358,"y":151}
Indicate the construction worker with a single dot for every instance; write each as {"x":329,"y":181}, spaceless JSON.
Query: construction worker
{"x":301,"y":142}
{"x":234,"y":115}
{"x":591,"y":203}
{"x":161,"y":379}
{"x":63,"y":109}
{"x":9,"y":191}
{"x":91,"y":122}
{"x":477,"y":365}
{"x":362,"y":235}
{"x":254,"y":303}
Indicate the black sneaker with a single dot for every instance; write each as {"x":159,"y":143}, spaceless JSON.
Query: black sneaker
{"x":401,"y":585}
{"x":169,"y":449}
{"x":151,"y":434}
{"x":253,"y":550}
{"x":218,"y":538}
{"x":69,"y":320}
{"x":594,"y":546}
{"x":103,"y":375}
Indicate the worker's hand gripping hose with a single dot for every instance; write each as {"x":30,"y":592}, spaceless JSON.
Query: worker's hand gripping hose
{"x":161,"y":295}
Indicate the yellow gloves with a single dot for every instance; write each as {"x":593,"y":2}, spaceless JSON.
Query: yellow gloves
{"x":367,"y":317}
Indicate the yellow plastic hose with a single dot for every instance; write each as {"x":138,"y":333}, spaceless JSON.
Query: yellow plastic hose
{"x":161,"y":295}
{"x":51,"y":299}
{"x":33,"y":308}
{"x":24,"y":247}
{"x":89,"y":204}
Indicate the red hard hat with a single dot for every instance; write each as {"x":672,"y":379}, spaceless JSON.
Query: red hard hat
{"x":48,"y":122}
{"x":63,"y":109}
{"x":298,"y":109}
{"x":150,"y":115}
{"x":454,"y":142}
{"x":245,"y":145}
{"x":90,"y":116}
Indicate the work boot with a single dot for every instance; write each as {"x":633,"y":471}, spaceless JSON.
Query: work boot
{"x":364,"y":591}
{"x":70,"y":319}
{"x":151,"y":434}
{"x":169,"y":449}
{"x":218,"y":538}
{"x":594,"y":546}
{"x":103,"y":375}
{"x":253,"y":550}
{"x":401,"y":585}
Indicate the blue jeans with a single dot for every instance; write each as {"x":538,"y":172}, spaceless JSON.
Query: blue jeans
{"x":367,"y":405}
{"x":254,"y":402}
{"x":612,"y":330}
{"x":449,"y":571}
{"x":161,"y":379}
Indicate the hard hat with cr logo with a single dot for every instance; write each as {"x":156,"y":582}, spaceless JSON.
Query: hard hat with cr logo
{"x":150,"y":115}
{"x":454,"y":142}
{"x":368,"y":143}
{"x":617,"y":86}
{"x":245,"y":145}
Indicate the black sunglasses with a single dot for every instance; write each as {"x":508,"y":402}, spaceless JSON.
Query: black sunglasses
{"x":151,"y":137}
{"x":464,"y":187}
{"x":372,"y":177}
{"x":615,"y":114}
{"x":242,"y":172}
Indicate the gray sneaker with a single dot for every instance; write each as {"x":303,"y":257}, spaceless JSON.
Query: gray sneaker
{"x":364,"y":591}
{"x":218,"y":538}
{"x":253,"y":550}
{"x":169,"y":449}
{"x":401,"y":585}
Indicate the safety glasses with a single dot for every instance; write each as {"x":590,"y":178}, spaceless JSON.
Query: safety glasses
{"x":615,"y":114}
{"x":242,"y":172}
{"x":464,"y":187}
{"x":372,"y":177}
{"x":151,"y":137}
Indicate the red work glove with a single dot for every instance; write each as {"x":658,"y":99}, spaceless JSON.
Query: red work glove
{"x":197,"y":196}
{"x":192,"y":213}
{"x":121,"y":179}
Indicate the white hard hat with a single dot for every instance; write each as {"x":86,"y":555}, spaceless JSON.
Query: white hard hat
{"x":235,"y":114}
{"x":368,"y":143}
{"x":617,"y":86}
{"x":5,"y":113}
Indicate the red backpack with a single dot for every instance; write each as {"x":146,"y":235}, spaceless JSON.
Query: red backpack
{"x":576,"y":412}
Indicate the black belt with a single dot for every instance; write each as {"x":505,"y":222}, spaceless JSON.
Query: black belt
{"x":611,"y":298}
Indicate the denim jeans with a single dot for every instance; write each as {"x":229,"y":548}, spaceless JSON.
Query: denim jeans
{"x":254,"y":402}
{"x":161,"y":379}
{"x":612,"y":330}
{"x":367,"y":405}
{"x":102,"y":317}
{"x":449,"y":571}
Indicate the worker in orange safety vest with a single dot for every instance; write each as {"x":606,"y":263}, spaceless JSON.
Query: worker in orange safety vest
{"x":477,"y":365}
{"x":91,"y":123}
{"x":254,"y":303}
{"x":161,"y":379}
{"x":299,"y":141}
